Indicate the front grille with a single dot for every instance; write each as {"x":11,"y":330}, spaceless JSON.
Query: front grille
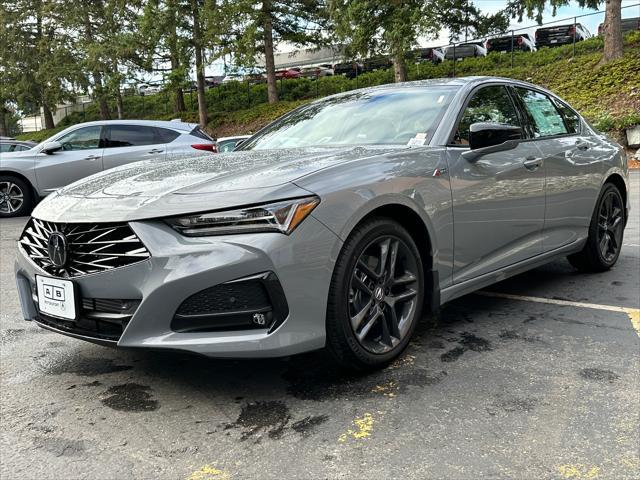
{"x":91,"y":248}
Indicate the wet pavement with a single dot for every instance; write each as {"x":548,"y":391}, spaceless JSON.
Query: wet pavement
{"x":523,"y":381}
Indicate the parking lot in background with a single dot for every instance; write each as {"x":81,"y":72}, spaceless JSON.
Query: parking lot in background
{"x":538,"y":376}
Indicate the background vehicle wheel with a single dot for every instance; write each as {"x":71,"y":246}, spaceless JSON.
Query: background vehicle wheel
{"x":605,"y":233}
{"x":15,"y":197}
{"x":376,"y":296}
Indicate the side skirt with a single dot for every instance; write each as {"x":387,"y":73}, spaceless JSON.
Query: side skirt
{"x":468,"y":286}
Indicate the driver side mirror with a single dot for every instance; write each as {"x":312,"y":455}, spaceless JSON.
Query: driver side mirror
{"x":51,"y":147}
{"x":488,"y":137}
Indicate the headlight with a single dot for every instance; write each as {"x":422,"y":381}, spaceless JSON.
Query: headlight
{"x":281,"y":217}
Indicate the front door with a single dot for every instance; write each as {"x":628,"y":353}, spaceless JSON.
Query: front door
{"x":499,"y":199}
{"x":81,"y":156}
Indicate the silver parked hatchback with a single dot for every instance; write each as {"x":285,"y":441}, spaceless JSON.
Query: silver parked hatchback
{"x":88,"y":148}
{"x":335,"y":226}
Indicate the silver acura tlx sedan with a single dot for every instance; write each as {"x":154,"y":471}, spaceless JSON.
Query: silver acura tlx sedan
{"x":336,"y":226}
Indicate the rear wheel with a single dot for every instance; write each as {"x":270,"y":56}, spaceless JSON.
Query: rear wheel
{"x":376,"y":296}
{"x":15,"y":197}
{"x":606,"y":232}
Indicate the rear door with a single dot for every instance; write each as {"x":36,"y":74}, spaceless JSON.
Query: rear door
{"x":571,"y":165}
{"x":131,"y":143}
{"x":498,"y":200}
{"x":81,"y":156}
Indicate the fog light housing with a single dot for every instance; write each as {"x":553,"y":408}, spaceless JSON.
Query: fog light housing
{"x":256,"y":302}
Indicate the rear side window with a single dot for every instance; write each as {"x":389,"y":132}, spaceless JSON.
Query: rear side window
{"x":198,"y":132}
{"x":571,"y":118}
{"x":131,"y":136}
{"x":544,"y":118}
{"x":489,"y":104}
{"x":166,"y":135}
{"x":6,"y":147}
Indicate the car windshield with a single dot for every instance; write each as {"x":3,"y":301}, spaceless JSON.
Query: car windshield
{"x":384,"y":117}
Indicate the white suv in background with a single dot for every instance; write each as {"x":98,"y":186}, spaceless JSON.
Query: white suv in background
{"x":88,"y":148}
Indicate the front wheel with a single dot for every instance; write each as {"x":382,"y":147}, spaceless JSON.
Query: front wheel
{"x":15,"y":197}
{"x":376,"y":295}
{"x":606,"y":232}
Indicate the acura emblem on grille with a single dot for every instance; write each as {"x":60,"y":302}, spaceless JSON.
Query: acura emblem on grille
{"x":57,"y":247}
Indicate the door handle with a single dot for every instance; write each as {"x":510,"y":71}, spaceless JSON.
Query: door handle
{"x":156,"y":150}
{"x":582,"y":145}
{"x":92,"y":157}
{"x":532,"y":163}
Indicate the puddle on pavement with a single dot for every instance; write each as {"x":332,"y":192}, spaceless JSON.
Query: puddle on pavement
{"x":130,"y":397}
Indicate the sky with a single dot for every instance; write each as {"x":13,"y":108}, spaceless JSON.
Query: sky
{"x":493,"y":6}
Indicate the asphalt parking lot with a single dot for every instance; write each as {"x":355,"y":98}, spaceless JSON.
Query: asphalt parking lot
{"x":537,"y":377}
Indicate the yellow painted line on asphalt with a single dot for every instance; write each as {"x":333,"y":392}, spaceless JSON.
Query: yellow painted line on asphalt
{"x":363,"y":426}
{"x":633,"y":313}
{"x":578,"y":471}
{"x":209,"y":472}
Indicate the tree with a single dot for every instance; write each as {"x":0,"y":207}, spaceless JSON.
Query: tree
{"x":165,"y":34}
{"x":36,"y":54}
{"x":256,"y":28}
{"x":393,"y":27}
{"x":612,"y":19}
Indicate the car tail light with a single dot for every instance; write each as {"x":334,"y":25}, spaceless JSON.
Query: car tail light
{"x":572,"y":30}
{"x":537,"y":34}
{"x":520,"y":41}
{"x":207,"y":147}
{"x":488,"y":44}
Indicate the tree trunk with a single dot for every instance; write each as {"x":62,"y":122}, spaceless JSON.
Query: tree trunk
{"x":99,"y":93}
{"x":119,"y":104}
{"x":612,"y":30}
{"x":174,"y":56}
{"x":3,"y":122}
{"x":269,"y":62}
{"x":399,"y":67}
{"x":197,"y":43}
{"x":48,"y":116}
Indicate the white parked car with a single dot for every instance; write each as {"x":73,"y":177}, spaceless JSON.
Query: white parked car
{"x":88,"y":148}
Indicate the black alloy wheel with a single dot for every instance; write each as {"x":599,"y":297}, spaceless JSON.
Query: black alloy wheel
{"x":376,"y":295}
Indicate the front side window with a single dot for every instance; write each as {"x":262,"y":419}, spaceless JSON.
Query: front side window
{"x":131,"y":136}
{"x":543,"y":116}
{"x":81,"y":139}
{"x":383,"y":117}
{"x":489,"y":104}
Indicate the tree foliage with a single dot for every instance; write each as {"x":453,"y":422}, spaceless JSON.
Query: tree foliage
{"x":374,"y":27}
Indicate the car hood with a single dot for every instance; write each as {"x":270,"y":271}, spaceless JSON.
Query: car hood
{"x":152,"y":188}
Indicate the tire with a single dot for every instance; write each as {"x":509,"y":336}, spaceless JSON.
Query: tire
{"x":371,"y":314}
{"x":606,"y":233}
{"x":16,"y":197}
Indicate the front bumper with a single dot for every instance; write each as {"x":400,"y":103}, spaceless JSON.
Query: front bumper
{"x":180,"y":267}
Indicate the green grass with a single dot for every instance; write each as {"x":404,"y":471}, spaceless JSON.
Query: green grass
{"x":608,"y":95}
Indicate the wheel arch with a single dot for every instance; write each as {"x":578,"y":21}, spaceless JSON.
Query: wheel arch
{"x":34,"y":191}
{"x":419,"y":231}
{"x":618,"y":180}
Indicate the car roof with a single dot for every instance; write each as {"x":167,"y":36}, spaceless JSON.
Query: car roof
{"x":175,"y":125}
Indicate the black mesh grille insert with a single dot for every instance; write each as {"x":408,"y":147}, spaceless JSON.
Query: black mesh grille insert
{"x":249,"y":295}
{"x":91,"y":248}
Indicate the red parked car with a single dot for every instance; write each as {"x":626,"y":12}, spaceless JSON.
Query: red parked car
{"x":289,"y":73}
